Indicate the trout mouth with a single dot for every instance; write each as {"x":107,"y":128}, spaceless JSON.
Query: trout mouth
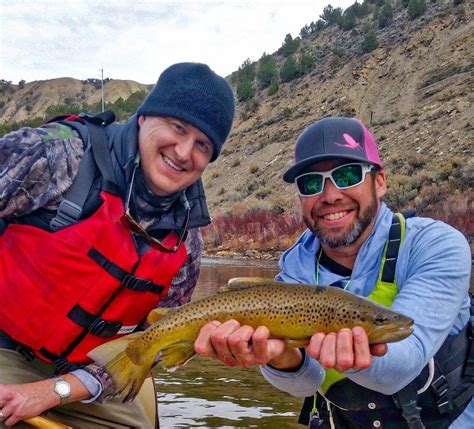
{"x":391,"y":332}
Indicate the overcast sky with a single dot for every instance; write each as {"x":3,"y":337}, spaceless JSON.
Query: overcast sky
{"x":138,"y":39}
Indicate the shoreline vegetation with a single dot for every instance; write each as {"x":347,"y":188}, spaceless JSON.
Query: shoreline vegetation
{"x":265,"y":234}
{"x":252,"y":234}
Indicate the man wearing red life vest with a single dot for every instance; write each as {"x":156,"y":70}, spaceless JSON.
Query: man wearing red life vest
{"x":99,"y":226}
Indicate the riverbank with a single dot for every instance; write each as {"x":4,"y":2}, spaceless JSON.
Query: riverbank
{"x":220,"y":254}
{"x":246,"y":254}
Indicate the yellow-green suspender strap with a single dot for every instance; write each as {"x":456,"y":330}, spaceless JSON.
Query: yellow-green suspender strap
{"x":385,"y":289}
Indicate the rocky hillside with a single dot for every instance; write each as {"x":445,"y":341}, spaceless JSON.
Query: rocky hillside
{"x":415,"y":92}
{"x":27,"y":100}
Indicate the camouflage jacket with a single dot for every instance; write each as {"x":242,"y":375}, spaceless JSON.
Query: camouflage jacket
{"x":37,"y":167}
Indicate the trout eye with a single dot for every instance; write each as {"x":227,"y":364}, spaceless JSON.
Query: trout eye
{"x":380,"y":320}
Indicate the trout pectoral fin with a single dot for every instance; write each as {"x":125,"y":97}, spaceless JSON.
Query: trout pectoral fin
{"x":156,"y":314}
{"x":298,"y":343}
{"x":176,"y":354}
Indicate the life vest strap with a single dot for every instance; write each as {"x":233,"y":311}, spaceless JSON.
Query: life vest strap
{"x":393,"y":247}
{"x":98,"y":141}
{"x":128,"y":280}
{"x":71,"y":208}
{"x":61,"y":365}
{"x":469,"y":368}
{"x":463,"y":398}
{"x":407,"y":399}
{"x":6,"y":342}
{"x":94,"y":324}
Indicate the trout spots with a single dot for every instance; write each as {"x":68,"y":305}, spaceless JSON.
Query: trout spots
{"x":381,"y":320}
{"x":355,"y":315}
{"x":345,"y":316}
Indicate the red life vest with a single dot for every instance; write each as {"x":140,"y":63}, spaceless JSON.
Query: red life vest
{"x":63,"y":293}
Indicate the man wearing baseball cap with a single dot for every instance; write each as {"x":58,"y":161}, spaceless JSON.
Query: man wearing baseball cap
{"x":418,"y":266}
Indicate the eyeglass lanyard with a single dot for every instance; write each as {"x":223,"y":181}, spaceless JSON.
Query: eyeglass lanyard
{"x":315,"y":411}
{"x":136,"y":163}
{"x":317,"y":270}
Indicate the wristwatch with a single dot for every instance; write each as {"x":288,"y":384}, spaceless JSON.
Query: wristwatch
{"x":62,"y":388}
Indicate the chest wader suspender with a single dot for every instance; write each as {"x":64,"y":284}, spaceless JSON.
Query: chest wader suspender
{"x":384,"y":293}
{"x":70,"y":209}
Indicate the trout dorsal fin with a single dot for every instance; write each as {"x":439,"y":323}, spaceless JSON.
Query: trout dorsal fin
{"x":156,"y":314}
{"x":239,"y":283}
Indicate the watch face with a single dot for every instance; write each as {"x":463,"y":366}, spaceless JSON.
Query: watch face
{"x":63,"y":388}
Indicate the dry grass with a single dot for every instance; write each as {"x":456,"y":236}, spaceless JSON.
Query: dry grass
{"x":264,"y":229}
{"x":260,"y":229}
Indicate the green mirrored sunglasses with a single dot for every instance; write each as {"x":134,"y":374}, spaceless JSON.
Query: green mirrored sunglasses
{"x":343,"y":177}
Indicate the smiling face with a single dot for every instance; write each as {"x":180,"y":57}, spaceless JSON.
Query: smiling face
{"x":343,"y":217}
{"x":173,"y":153}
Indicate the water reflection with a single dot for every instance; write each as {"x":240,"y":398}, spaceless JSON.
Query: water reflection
{"x":216,"y":272}
{"x":206,"y":394}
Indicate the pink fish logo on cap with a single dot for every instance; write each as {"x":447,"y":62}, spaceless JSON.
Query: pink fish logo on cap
{"x":350,"y":142}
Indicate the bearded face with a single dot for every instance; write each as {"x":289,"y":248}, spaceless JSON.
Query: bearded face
{"x":347,"y":233}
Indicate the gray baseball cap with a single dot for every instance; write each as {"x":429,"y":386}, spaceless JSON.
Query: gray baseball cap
{"x":333,"y":138}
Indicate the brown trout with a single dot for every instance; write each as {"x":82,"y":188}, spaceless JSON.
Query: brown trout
{"x":293,"y":312}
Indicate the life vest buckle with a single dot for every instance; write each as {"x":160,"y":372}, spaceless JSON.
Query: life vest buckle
{"x":315,"y":421}
{"x":444,"y":406}
{"x":440,"y":386}
{"x":104,"y":328}
{"x":26,"y":352}
{"x":67,"y":214}
{"x":135,"y":283}
{"x":140,"y":285}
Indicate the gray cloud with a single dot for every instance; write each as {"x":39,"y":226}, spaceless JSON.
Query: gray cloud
{"x":44,"y":39}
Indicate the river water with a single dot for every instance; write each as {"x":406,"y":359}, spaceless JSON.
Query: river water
{"x":206,"y":394}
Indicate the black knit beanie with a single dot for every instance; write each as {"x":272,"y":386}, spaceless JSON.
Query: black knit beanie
{"x":194,"y":93}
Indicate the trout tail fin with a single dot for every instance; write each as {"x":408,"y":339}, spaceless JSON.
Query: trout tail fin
{"x":126,"y":362}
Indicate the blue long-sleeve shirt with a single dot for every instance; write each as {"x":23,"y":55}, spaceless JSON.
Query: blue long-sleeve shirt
{"x":432,"y":276}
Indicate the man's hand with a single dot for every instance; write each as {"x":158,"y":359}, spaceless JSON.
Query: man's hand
{"x":346,"y":349}
{"x":242,"y":346}
{"x":23,"y":401}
